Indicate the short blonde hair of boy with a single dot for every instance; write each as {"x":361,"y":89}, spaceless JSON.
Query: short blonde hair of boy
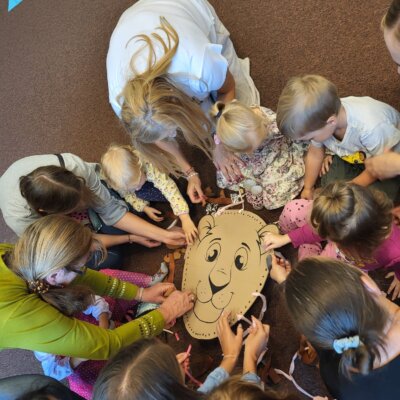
{"x":120,"y":164}
{"x":392,"y":18}
{"x":305,"y":105}
{"x":233,"y":123}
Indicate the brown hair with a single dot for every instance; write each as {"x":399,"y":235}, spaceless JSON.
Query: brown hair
{"x":356,"y":218}
{"x":391,"y":19}
{"x":48,"y":245}
{"x":235,"y":122}
{"x":55,"y":190}
{"x":145,"y":370}
{"x":327,"y":301}
{"x":237,"y":389}
{"x":305,"y":105}
{"x":153,"y":105}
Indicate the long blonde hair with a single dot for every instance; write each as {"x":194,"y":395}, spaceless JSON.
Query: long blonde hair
{"x":234,"y":122}
{"x":48,"y":245}
{"x":152,"y":105}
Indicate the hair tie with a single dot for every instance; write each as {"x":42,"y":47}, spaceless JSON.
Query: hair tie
{"x":219,"y":113}
{"x":341,"y":345}
{"x":38,"y":286}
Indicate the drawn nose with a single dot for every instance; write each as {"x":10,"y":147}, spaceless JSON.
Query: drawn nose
{"x":215,"y":288}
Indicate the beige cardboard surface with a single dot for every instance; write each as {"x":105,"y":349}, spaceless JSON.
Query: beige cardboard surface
{"x":224,"y":266}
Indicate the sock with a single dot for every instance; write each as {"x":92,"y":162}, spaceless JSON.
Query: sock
{"x":160,"y":274}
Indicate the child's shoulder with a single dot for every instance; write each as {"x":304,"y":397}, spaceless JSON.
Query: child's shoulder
{"x":355,"y":103}
{"x":368,"y":112}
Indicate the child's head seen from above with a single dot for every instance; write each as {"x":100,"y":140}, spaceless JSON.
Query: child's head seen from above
{"x":239,"y":128}
{"x":55,"y":190}
{"x":358,"y":219}
{"x":122,"y":168}
{"x":308,"y":108}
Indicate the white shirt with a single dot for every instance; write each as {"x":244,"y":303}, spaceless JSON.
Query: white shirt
{"x":58,"y":366}
{"x":198,"y":66}
{"x":372,"y":126}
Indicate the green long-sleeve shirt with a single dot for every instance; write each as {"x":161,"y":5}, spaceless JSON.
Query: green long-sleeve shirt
{"x":28,"y":322}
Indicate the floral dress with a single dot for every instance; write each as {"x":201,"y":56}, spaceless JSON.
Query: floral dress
{"x":277,"y":165}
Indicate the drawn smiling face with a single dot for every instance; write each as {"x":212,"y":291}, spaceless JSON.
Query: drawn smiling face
{"x":223,"y":268}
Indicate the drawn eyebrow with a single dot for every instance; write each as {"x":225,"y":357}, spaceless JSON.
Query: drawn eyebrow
{"x":244,"y":244}
{"x":215,"y":240}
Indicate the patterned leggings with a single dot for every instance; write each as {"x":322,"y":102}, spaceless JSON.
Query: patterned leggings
{"x":296,"y":214}
{"x":85,"y":375}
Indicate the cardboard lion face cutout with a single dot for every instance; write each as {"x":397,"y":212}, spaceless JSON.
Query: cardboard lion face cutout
{"x":224,"y":266}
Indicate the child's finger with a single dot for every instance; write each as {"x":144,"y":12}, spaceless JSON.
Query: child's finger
{"x":256,"y":322}
{"x":239,"y":331}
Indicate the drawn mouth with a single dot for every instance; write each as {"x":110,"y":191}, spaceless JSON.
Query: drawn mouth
{"x":211,"y":312}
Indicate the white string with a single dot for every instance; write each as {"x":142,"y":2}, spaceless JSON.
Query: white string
{"x":291,"y":378}
{"x":236,"y":200}
{"x":241,"y":317}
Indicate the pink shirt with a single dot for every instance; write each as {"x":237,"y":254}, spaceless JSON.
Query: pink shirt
{"x":387,"y":255}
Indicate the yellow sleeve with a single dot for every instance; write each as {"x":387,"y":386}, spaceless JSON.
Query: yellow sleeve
{"x":105,"y":285}
{"x":137,"y":203}
{"x":35,"y":325}
{"x":168,"y":188}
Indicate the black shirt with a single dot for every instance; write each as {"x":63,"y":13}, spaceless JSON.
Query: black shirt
{"x":381,"y":383}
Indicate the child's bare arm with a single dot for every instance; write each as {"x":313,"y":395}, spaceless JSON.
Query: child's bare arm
{"x":313,"y":163}
{"x":189,"y":228}
{"x":364,"y":179}
{"x":104,"y":321}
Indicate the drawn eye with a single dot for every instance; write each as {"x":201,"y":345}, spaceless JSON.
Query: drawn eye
{"x":241,"y":257}
{"x":213,"y":252}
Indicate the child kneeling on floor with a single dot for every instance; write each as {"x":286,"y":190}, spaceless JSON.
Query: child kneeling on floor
{"x":355,"y":221}
{"x":139,"y":182}
{"x":260,"y":152}
{"x":351,"y":128}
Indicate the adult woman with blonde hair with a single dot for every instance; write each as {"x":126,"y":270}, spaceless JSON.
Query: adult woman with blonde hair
{"x":351,"y":324}
{"x":167,"y":60}
{"x":49,"y":258}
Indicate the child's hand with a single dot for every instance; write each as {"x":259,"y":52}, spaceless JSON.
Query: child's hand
{"x":307,"y":194}
{"x":183,"y":360}
{"x":228,"y":163}
{"x":274,"y":240}
{"x":189,"y":228}
{"x":396,"y":215}
{"x":256,"y":343}
{"x":394,"y":286}
{"x":231,"y":344}
{"x":153,"y":213}
{"x":326,"y":165}
{"x":280,"y":269}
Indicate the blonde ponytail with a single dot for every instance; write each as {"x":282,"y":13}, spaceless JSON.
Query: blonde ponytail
{"x":236,"y":124}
